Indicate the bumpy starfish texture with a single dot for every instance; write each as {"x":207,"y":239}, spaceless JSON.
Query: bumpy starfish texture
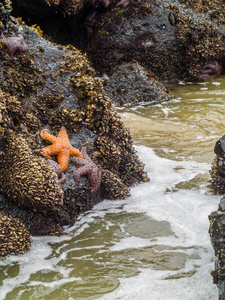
{"x":13,"y":43}
{"x":59,"y":173}
{"x":60,"y":146}
{"x":105,"y":2}
{"x":210,"y":71}
{"x":123,"y":3}
{"x":87,"y":166}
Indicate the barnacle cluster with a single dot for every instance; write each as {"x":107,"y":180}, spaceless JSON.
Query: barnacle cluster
{"x":5,"y":10}
{"x":217,"y":172}
{"x":14,"y":237}
{"x":217,"y":181}
{"x":216,"y":232}
{"x":4,"y":116}
{"x":215,"y":9}
{"x":57,"y":87}
{"x":202,"y":42}
{"x":27,"y":179}
{"x":114,"y":141}
{"x":29,"y":80}
{"x":71,"y":119}
{"x":112,"y":186}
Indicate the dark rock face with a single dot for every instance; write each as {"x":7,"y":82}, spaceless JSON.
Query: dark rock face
{"x":131,"y":84}
{"x":217,"y":218}
{"x":48,"y":7}
{"x":145,"y":35}
{"x":216,"y":231}
{"x":170,"y":39}
{"x":217,"y":172}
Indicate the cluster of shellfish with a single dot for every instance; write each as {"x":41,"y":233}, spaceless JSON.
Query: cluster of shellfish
{"x":14,"y":237}
{"x":27,"y":179}
{"x":217,"y":181}
{"x":5,"y":11}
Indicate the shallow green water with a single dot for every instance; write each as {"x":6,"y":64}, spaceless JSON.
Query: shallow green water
{"x":187,"y":126}
{"x":157,"y":239}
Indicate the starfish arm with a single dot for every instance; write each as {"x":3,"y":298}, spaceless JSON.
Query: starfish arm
{"x":63,"y":134}
{"x":84,"y":153}
{"x":62,"y":178}
{"x":46,"y":135}
{"x":49,"y":151}
{"x":63,"y":159}
{"x":75,"y":152}
{"x":78,"y":161}
{"x":79,"y":172}
{"x":95,"y":177}
{"x":58,"y":171}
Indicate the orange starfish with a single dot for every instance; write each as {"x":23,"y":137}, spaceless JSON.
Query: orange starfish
{"x":60,"y":146}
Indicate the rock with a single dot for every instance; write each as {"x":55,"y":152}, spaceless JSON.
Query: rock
{"x":168,"y":38}
{"x":217,"y":172}
{"x":216,"y":231}
{"x":14,"y":238}
{"x":172,"y":39}
{"x":27,"y":179}
{"x":217,"y":218}
{"x":222,"y":204}
{"x":51,"y":86}
{"x":219,"y":148}
{"x":131,"y":84}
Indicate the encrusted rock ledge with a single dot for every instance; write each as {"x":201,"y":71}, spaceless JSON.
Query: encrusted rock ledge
{"x":14,"y":237}
{"x":217,"y":218}
{"x":50,"y":86}
{"x":216,"y":231}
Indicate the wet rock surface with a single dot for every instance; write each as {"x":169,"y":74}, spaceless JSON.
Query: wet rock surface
{"x":14,"y":237}
{"x":172,"y":39}
{"x":216,"y":231}
{"x":131,"y":84}
{"x":50,"y":86}
{"x":217,"y":218}
{"x":168,"y":38}
{"x":217,"y":172}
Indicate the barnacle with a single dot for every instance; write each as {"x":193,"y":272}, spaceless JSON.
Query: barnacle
{"x":27,"y":179}
{"x":14,"y":237}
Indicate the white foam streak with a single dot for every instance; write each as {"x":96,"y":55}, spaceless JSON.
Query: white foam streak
{"x":32,"y":262}
{"x":185,"y":210}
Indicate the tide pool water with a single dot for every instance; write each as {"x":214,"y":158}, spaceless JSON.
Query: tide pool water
{"x":154,"y":244}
